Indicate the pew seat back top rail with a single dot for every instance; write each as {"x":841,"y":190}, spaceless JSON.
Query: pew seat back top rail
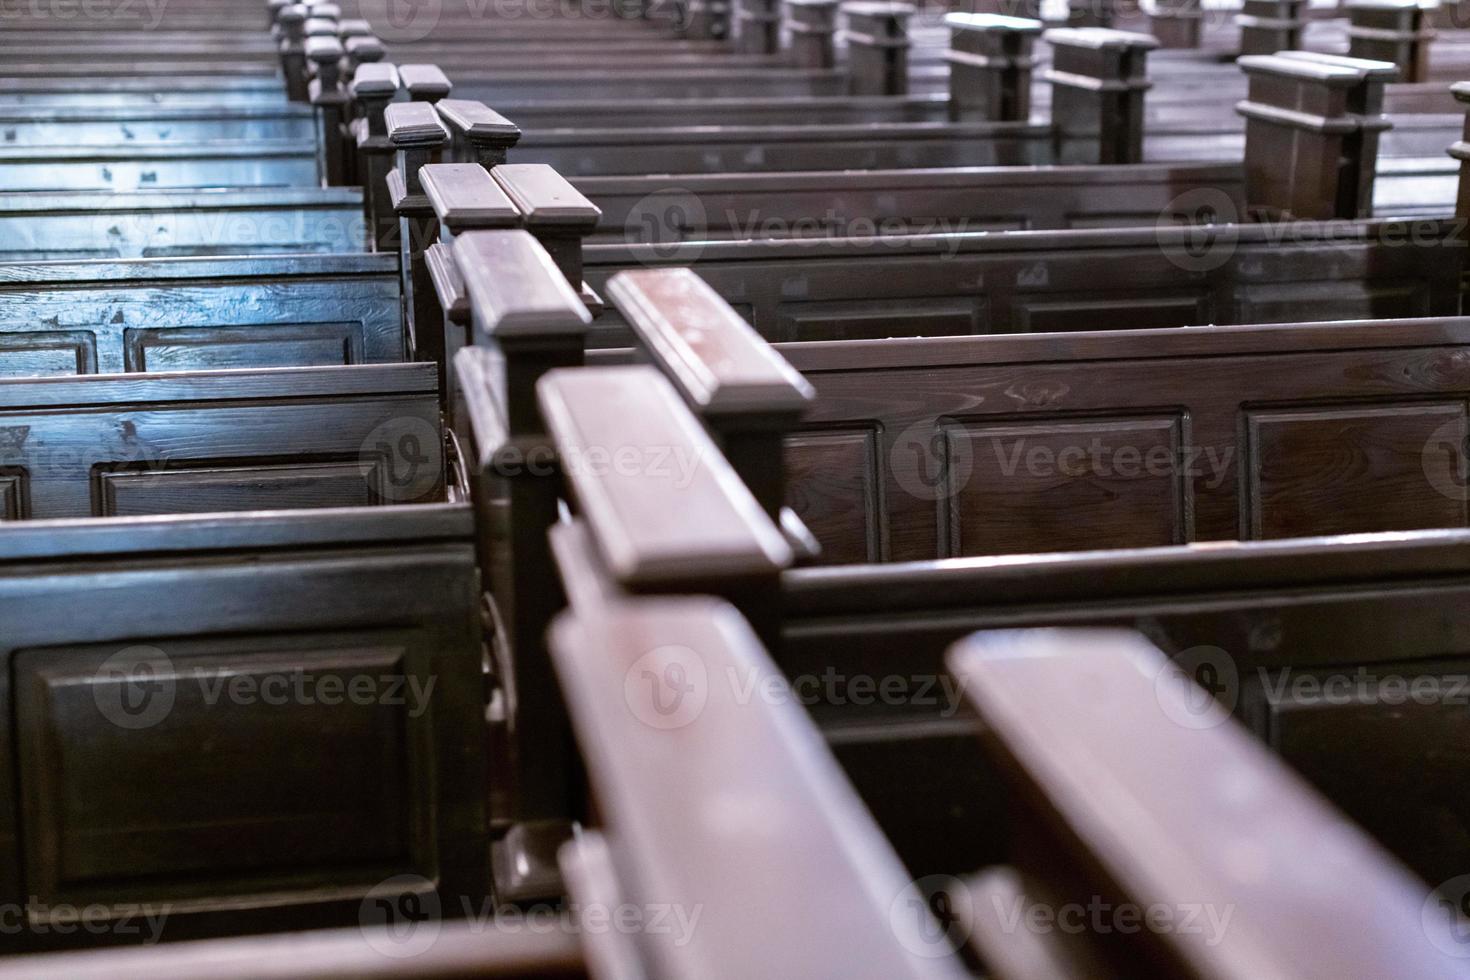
{"x":278,"y":438}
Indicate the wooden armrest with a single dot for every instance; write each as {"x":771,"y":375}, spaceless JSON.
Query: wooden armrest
{"x":425,"y":83}
{"x":323,"y":49}
{"x":667,"y":466}
{"x":1368,"y":69}
{"x":717,"y":361}
{"x":320,"y":27}
{"x":1183,"y":808}
{"x":354,"y":28}
{"x":546,"y":198}
{"x":515,"y":288}
{"x":728,"y":804}
{"x":465,"y":198}
{"x":992,"y":23}
{"x":414,"y":124}
{"x":481,"y":127}
{"x":375,"y":81}
{"x":364,"y":50}
{"x":1099,"y":37}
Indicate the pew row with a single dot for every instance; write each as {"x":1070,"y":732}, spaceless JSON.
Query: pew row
{"x":935,"y":285}
{"x":279,"y":438}
{"x":164,"y":224}
{"x":187,"y":314}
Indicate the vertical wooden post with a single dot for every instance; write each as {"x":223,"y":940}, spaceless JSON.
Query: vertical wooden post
{"x":990,"y":62}
{"x":1176,"y":23}
{"x":527,"y":321}
{"x":1089,"y":13}
{"x":878,"y":44}
{"x":327,"y":95}
{"x":418,"y":138}
{"x":708,"y":19}
{"x":1460,"y":150}
{"x":1396,"y":31}
{"x":1312,"y":164}
{"x":464,"y":199}
{"x":478,"y":134}
{"x":1098,"y":79}
{"x":812,"y":26}
{"x":373,"y":89}
{"x":293,"y":51}
{"x":557,"y":214}
{"x":758,"y":26}
{"x":1269,"y":26}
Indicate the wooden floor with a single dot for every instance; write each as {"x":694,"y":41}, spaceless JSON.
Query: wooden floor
{"x":782,"y":488}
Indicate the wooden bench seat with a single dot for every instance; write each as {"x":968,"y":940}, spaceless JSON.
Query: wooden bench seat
{"x":280,"y":438}
{"x":41,"y":226}
{"x":52,"y":125}
{"x":805,"y":204}
{"x":163,"y":166}
{"x":263,"y":810}
{"x":199,"y":314}
{"x":181,"y":89}
{"x":865,"y":288}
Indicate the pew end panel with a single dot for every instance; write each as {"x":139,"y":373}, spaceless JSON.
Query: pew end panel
{"x":216,"y":666}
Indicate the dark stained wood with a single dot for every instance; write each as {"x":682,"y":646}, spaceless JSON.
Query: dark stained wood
{"x":967,"y":446}
{"x":118,"y":445}
{"x":664,"y":783}
{"x":1194,"y":818}
{"x":198,"y":314}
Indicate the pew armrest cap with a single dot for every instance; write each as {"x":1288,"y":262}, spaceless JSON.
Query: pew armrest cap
{"x":380,"y":79}
{"x":424,"y":82}
{"x":545,"y":197}
{"x":992,"y":22}
{"x":515,"y":288}
{"x":413,"y":124}
{"x":1099,"y":37}
{"x":465,"y":197}
{"x":324,"y":50}
{"x":477,"y":121}
{"x":718,"y":362}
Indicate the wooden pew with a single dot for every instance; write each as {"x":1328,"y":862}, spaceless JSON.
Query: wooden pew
{"x":864,"y":645}
{"x":852,"y":288}
{"x":164,"y":166}
{"x":660,"y":209}
{"x":54,"y":125}
{"x":279,"y":438}
{"x":263,"y":810}
{"x":1229,"y":852}
{"x":41,"y":226}
{"x":199,"y":314}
